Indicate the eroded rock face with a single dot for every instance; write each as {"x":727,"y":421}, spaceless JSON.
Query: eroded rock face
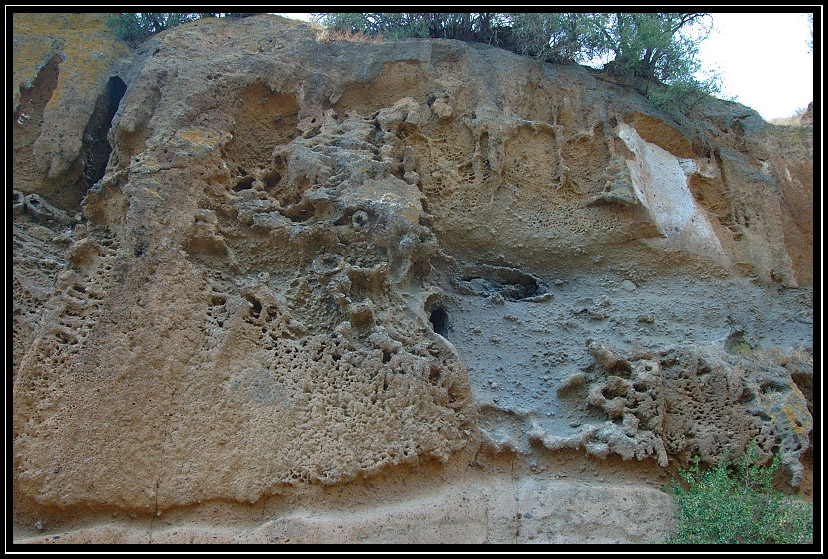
{"x":260,"y":290}
{"x":697,"y":401}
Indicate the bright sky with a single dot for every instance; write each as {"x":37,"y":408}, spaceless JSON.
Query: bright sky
{"x":763,"y":60}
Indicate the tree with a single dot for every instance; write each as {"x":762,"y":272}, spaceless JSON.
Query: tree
{"x":657,"y":53}
{"x":652,"y":46}
{"x":136,"y":27}
{"x":481,"y":27}
{"x":561,"y":38}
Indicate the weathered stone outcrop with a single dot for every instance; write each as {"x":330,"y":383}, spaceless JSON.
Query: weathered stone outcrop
{"x":697,"y":401}
{"x":308,"y":263}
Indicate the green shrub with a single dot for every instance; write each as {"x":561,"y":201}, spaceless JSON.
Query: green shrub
{"x":128,"y":27}
{"x":738,"y":505}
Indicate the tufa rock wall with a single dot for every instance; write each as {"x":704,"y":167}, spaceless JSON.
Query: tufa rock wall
{"x":281,"y":273}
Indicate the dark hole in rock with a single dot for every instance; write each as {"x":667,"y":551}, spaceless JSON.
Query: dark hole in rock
{"x":434,"y":374}
{"x":439,"y":321}
{"x":359,"y":219}
{"x":762,"y":415}
{"x":747,"y":397}
{"x":299,"y":213}
{"x":620,"y":368}
{"x":511,"y":284}
{"x":386,"y":356}
{"x":611,"y":392}
{"x":96,"y":148}
{"x":244,"y":184}
{"x":773,"y":385}
{"x":256,"y":309}
{"x":272,"y":178}
{"x":327,"y":264}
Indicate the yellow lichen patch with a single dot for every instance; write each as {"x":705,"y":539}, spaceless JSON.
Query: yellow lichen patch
{"x":199,"y":137}
{"x":798,"y":416}
{"x":196,"y":143}
{"x":27,"y":60}
{"x":87,"y":45}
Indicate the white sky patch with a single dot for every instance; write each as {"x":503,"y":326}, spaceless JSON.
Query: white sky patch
{"x":764,"y":60}
{"x":301,"y":17}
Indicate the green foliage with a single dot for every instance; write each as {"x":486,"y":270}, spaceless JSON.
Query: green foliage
{"x":135,"y":28}
{"x":561,"y":38}
{"x":685,"y":94}
{"x":462,"y":26}
{"x":128,"y":27}
{"x":658,"y":54}
{"x":655,"y":52}
{"x":653,"y":46}
{"x":742,"y":348}
{"x":739,"y":506}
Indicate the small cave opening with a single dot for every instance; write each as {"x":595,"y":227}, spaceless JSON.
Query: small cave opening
{"x":96,"y":148}
{"x":244,"y":183}
{"x":255,"y":305}
{"x":272,"y":178}
{"x":510,"y":283}
{"x":439,"y":320}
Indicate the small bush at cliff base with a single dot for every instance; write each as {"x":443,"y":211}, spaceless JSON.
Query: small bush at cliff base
{"x":738,"y":505}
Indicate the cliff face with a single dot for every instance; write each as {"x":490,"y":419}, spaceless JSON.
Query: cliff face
{"x":307,"y":264}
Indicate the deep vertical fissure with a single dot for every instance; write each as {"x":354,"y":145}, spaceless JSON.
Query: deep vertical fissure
{"x":96,"y":147}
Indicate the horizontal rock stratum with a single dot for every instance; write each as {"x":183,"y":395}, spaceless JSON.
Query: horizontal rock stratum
{"x":251,"y":263}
